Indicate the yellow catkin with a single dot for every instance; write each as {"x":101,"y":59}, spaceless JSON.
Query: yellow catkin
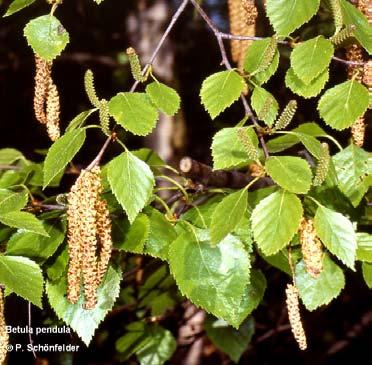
{"x":89,"y":230}
{"x":295,"y":316}
{"x":311,"y":247}
{"x":4,"y":337}
{"x":242,"y":16}
{"x":365,"y":6}
{"x":52,"y":111}
{"x":42,"y":75}
{"x":358,"y":131}
{"x":367,"y":76}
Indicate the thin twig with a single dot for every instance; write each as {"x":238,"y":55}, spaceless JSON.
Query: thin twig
{"x":98,"y":158}
{"x":30,"y":332}
{"x":226,"y":62}
{"x":162,"y":40}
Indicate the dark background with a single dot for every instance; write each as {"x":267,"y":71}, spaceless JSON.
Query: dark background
{"x":339,"y":333}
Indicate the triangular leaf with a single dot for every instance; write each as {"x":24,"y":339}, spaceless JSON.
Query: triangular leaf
{"x":265,"y":105}
{"x":220,"y":90}
{"x":164,"y":97}
{"x":275,"y":220}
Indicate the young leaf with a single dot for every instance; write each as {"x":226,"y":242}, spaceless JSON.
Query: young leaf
{"x":275,"y":220}
{"x":291,"y":173}
{"x":228,"y":151}
{"x":342,"y":105}
{"x":306,"y":91}
{"x":265,"y":105}
{"x":363,"y":31}
{"x":17,"y":5}
{"x":260,"y":55}
{"x":79,"y":120}
{"x":134,"y":112}
{"x":33,"y":245}
{"x":310,"y":58}
{"x":131,"y":181}
{"x":61,"y":153}
{"x":228,"y":214}
{"x":11,"y":201}
{"x":161,"y":235}
{"x":337,"y":234}
{"x":213,"y":278}
{"x":46,"y":36}
{"x":84,"y":321}
{"x":351,"y":166}
{"x":367,"y":273}
{"x":288,"y":15}
{"x":23,"y":220}
{"x":220,"y":90}
{"x":318,"y":291}
{"x":164,"y":97}
{"x":23,"y":277}
{"x":229,"y":340}
{"x":10,"y":155}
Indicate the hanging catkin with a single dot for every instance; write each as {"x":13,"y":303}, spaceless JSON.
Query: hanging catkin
{"x":89,"y":232}
{"x":323,"y":165}
{"x":311,"y":247}
{"x":46,"y":98}
{"x":242,"y":16}
{"x":4,"y":337}
{"x":295,"y":316}
{"x":358,"y":73}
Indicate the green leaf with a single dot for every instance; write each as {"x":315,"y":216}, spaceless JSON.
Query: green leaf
{"x":159,"y":348}
{"x":252,"y":296}
{"x":275,"y":220}
{"x":353,"y":16}
{"x":61,"y":153}
{"x":291,"y":173}
{"x":46,"y":36}
{"x":321,"y":290}
{"x":367,"y":273}
{"x":23,"y":277}
{"x":229,"y":340}
{"x":79,"y":120}
{"x":364,"y":250}
{"x":309,"y":59}
{"x":306,"y":91}
{"x":131,"y":181}
{"x":213,"y":278}
{"x":23,"y":220}
{"x":33,"y":245}
{"x":228,"y":151}
{"x":152,"y":344}
{"x":265,"y":105}
{"x":351,"y":166}
{"x":161,"y":235}
{"x":136,"y":236}
{"x":84,"y":321}
{"x":228,"y":214}
{"x":11,"y":200}
{"x":17,"y":5}
{"x":259,"y":55}
{"x":9,"y":155}
{"x":342,"y":105}
{"x":58,"y":267}
{"x":286,"y":141}
{"x":164,"y":97}
{"x":134,"y":112}
{"x":337,"y":234}
{"x":288,"y":15}
{"x":220,"y":90}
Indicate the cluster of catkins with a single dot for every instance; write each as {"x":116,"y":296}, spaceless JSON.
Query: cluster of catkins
{"x":242,"y":16}
{"x":89,"y":237}
{"x":362,"y":74}
{"x":46,"y":98}
{"x":4,"y":337}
